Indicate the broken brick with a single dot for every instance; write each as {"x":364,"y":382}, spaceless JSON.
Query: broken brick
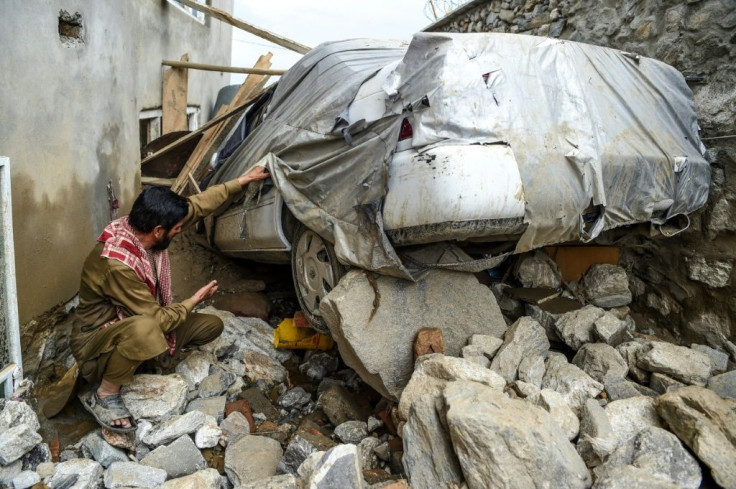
{"x":429,"y":340}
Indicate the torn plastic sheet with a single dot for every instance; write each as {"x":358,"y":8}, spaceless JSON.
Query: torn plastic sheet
{"x":601,"y":139}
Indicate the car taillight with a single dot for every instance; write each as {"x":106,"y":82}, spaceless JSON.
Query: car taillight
{"x":406,"y":131}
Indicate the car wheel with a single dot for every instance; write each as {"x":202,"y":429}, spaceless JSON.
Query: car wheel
{"x":315,"y":270}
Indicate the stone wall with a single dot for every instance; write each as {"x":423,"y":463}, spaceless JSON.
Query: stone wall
{"x":74,"y":77}
{"x":683,"y":284}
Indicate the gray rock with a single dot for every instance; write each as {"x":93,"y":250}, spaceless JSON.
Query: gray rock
{"x":338,"y":467}
{"x":243,"y":334}
{"x":102,"y":451}
{"x":679,"y":362}
{"x":600,"y":360}
{"x":339,"y":405}
{"x":208,"y":435}
{"x":618,"y":388}
{"x":131,"y":474}
{"x":480,"y":360}
{"x":196,"y":367}
{"x":373,"y":424}
{"x":204,"y":479}
{"x":211,"y":406}
{"x":538,"y":270}
{"x":178,"y":459}
{"x":724,"y":385}
{"x":713,"y":273}
{"x":523,"y":339}
{"x":709,"y":328}
{"x":429,"y":460}
{"x":380,"y":352}
{"x":294,"y":398}
{"x":26,"y":479}
{"x":351,"y":431}
{"x":287,"y":481}
{"x":216,"y":383}
{"x":434,"y":371}
{"x":155,"y":397}
{"x":175,"y":427}
{"x":545,"y":319}
{"x":296,"y":452}
{"x":503,"y":442}
{"x":575,"y":328}
{"x":319,"y":365}
{"x":630,"y":477}
{"x":487,"y":344}
{"x":16,"y":442}
{"x":607,"y":286}
{"x":15,"y":413}
{"x":628,"y":417}
{"x":610,"y":330}
{"x":235,"y":426}
{"x":660,"y":453}
{"x":572,"y":383}
{"x":630,"y":352}
{"x":368,"y":458}
{"x":531,"y":370}
{"x":46,"y":469}
{"x":560,"y":412}
{"x":597,"y":440}
{"x":252,"y":458}
{"x":84,"y":473}
{"x":718,"y":359}
{"x":706,"y":423}
{"x":9,"y":472}
{"x":661,"y":383}
{"x":262,"y":368}
{"x":38,"y":455}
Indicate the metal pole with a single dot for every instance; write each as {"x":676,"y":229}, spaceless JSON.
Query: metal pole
{"x":223,"y":69}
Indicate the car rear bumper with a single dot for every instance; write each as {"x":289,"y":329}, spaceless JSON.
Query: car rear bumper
{"x":454,"y":192}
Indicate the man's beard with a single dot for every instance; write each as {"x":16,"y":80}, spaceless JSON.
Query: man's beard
{"x":162,"y":244}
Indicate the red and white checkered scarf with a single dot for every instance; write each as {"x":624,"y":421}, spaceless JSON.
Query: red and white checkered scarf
{"x":122,"y":245}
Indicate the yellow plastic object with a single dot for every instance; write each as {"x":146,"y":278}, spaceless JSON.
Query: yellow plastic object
{"x":288,"y":336}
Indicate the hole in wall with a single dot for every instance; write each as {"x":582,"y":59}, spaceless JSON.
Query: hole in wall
{"x":71,"y":28}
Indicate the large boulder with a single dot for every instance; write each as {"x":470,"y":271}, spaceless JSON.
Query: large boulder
{"x":607,"y":286}
{"x":706,"y":423}
{"x":79,"y":473}
{"x":724,"y":384}
{"x":662,"y":454}
{"x":679,"y":362}
{"x":538,"y":270}
{"x":525,"y":338}
{"x":433,"y":372}
{"x":503,"y":442}
{"x":338,"y":467}
{"x":376,"y":337}
{"x":429,"y":460}
{"x":628,"y":417}
{"x":597,"y":440}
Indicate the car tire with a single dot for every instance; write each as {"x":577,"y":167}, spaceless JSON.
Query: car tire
{"x":315,"y":270}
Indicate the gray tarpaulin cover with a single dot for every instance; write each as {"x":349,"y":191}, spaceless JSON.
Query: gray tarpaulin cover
{"x":590,"y":128}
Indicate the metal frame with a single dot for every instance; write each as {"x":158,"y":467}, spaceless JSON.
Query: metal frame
{"x":11,"y":374}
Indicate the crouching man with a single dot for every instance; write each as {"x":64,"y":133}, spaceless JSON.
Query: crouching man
{"x":125,"y":314}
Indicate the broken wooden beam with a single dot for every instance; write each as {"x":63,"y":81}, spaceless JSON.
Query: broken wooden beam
{"x":240,"y":24}
{"x":223,"y":69}
{"x":198,"y":161}
{"x":202,"y":129}
{"x":174,"y":99}
{"x":157,"y":182}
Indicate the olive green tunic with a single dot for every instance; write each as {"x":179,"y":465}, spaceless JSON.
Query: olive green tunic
{"x":107,"y":284}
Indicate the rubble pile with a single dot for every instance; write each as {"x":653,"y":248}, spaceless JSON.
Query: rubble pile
{"x":570,"y":398}
{"x":229,"y":416}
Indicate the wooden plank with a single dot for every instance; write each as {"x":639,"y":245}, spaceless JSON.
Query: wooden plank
{"x":174,"y":99}
{"x":222,"y":69}
{"x":240,"y":24}
{"x":198,"y":161}
{"x":157,"y":182}
{"x":202,"y":129}
{"x":574,"y":261}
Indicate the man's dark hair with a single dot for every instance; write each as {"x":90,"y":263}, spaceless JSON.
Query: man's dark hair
{"x":157,"y":206}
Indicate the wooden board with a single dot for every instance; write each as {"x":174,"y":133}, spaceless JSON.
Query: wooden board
{"x":574,"y":261}
{"x":174,"y":100}
{"x":200,"y":158}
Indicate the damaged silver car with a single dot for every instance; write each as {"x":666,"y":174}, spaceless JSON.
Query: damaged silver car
{"x":498,"y":142}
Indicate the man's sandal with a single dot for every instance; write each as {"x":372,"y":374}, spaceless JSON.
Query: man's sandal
{"x":107,"y":409}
